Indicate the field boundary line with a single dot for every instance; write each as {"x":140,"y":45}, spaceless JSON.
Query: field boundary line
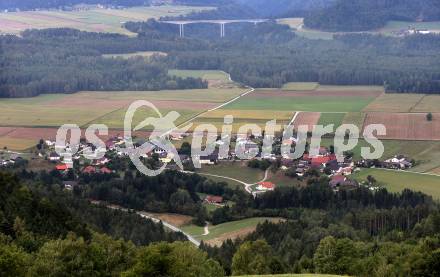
{"x":7,"y":133}
{"x":417,"y":103}
{"x":251,"y":89}
{"x":293,"y":118}
{"x":413,"y":172}
{"x":102,"y":116}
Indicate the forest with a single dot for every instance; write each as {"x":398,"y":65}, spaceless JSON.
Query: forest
{"x":363,"y":15}
{"x":67,"y":60}
{"x":269,"y":55}
{"x":263,"y":55}
{"x":354,"y":231}
{"x":42,"y":234}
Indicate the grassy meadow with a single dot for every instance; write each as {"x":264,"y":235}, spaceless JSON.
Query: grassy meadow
{"x":237,"y":170}
{"x":300,"y":86}
{"x":222,"y":230}
{"x":307,"y":104}
{"x":397,"y":181}
{"x":104,"y":107}
{"x":143,"y":54}
{"x":331,"y":118}
{"x":203,"y":74}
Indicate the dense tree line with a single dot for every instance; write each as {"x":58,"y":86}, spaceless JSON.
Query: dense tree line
{"x":401,"y":64}
{"x":355,"y":226}
{"x":262,"y":55}
{"x":269,"y":55}
{"x":362,"y":15}
{"x":318,"y":241}
{"x":66,"y":61}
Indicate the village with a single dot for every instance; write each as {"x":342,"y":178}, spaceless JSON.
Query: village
{"x":114,"y":151}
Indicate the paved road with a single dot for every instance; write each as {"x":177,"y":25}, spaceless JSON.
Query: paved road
{"x":171,"y":227}
{"x":156,"y":220}
{"x":247,"y":186}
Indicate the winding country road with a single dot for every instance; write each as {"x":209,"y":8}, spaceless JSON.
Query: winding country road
{"x":247,"y":186}
{"x":156,"y":220}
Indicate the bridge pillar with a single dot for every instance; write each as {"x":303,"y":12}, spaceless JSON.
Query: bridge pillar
{"x":181,"y":30}
{"x":222,"y":30}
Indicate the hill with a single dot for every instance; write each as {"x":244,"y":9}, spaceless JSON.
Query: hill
{"x":362,"y":15}
{"x":44,"y":4}
{"x":240,"y":9}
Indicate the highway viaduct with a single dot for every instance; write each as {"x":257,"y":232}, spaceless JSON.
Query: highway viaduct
{"x":220,"y":22}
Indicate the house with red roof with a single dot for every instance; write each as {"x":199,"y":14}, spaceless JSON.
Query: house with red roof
{"x":212,"y":199}
{"x":345,"y":170}
{"x":266,"y":186}
{"x":105,"y":170}
{"x":337,"y":180}
{"x":89,"y":169}
{"x":306,"y":157}
{"x":61,"y":167}
{"x":320,"y":161}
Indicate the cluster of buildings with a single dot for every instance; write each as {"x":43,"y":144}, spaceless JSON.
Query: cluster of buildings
{"x":398,"y":162}
{"x":13,"y":158}
{"x":412,"y":31}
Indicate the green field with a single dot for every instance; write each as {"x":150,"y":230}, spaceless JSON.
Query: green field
{"x":356,"y":118}
{"x":331,"y":118}
{"x":203,"y":74}
{"x":220,"y":229}
{"x":52,"y":110}
{"x":300,"y":86}
{"x":396,"y":181}
{"x":105,"y":107}
{"x":93,"y":20}
{"x":144,"y":54}
{"x":425,"y":153}
{"x":236,"y":170}
{"x":306,"y":104}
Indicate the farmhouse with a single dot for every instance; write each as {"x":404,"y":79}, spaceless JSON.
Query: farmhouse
{"x":54,"y":156}
{"x":102,"y":161}
{"x":105,"y":170}
{"x":210,"y":159}
{"x":397,"y":162}
{"x":211,"y":199}
{"x":89,"y":170}
{"x":337,"y":180}
{"x":319,"y":161}
{"x":265,"y":186}
{"x":69,"y":185}
{"x":61,"y":167}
